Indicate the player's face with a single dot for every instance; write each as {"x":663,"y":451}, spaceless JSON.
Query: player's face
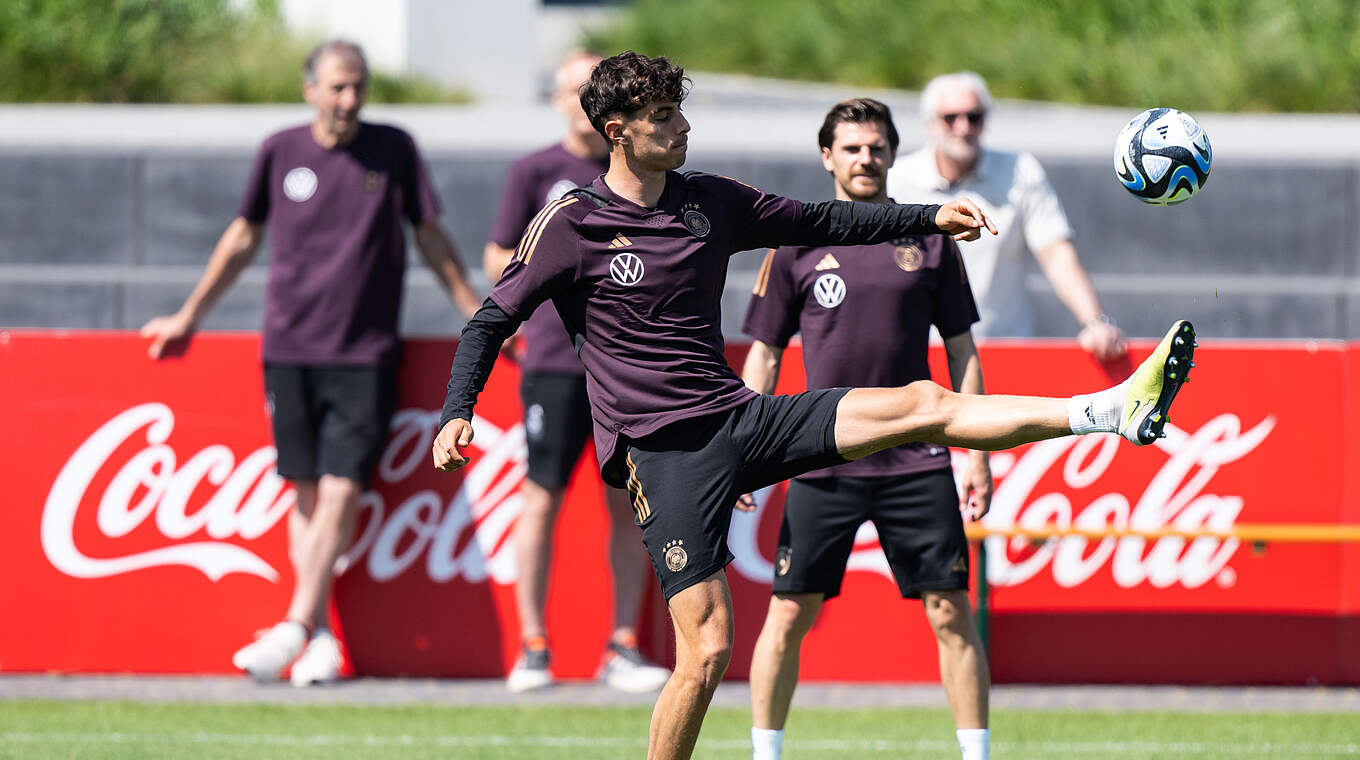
{"x":858,"y":159}
{"x":656,"y":137}
{"x":337,"y":95}
{"x":956,"y":125}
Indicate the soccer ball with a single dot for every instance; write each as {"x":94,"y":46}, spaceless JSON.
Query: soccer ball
{"x":1162,"y":156}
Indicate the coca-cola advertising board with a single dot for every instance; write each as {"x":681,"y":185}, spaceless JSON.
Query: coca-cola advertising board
{"x":145,"y":529}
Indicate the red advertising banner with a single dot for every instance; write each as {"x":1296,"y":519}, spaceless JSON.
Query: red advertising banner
{"x":145,"y":529}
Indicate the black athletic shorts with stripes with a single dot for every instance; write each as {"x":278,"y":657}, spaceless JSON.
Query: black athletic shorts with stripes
{"x":916,"y":516}
{"x":685,"y":478}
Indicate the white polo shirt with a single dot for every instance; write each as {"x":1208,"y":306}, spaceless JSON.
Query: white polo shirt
{"x":1013,"y":191}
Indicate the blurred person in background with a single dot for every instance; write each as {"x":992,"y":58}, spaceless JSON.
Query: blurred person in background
{"x":1011,"y":189}
{"x":865,"y":314}
{"x":557,"y":413}
{"x":332,"y":195}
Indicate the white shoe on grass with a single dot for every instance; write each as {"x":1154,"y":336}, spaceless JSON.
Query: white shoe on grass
{"x":627,"y":670}
{"x":266,"y":658}
{"x":320,"y":661}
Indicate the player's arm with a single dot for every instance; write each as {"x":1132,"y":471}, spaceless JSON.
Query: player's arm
{"x":761,"y":370}
{"x":495,"y":259}
{"x":1099,"y":335}
{"x":234,"y":252}
{"x":854,"y":223}
{"x":441,"y":256}
{"x":965,"y":374}
{"x":478,"y":346}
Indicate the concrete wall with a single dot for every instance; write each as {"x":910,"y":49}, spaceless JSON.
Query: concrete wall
{"x":94,"y":238}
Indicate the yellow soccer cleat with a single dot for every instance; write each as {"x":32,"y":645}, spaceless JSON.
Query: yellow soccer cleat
{"x":1149,"y":392}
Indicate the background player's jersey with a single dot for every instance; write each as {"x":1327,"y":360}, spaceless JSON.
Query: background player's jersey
{"x":337,"y":251}
{"x":865,"y":314}
{"x":640,"y":289}
{"x":535,"y":181}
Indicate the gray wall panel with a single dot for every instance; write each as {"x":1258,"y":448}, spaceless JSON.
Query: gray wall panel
{"x":60,"y":304}
{"x":68,"y":208}
{"x":190,"y":199}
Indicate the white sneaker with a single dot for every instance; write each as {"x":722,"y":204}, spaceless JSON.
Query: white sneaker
{"x":265,"y":658}
{"x":530,"y":671}
{"x":320,"y":661}
{"x":627,"y":670}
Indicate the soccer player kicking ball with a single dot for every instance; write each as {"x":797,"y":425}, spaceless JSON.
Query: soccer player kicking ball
{"x":635,"y":265}
{"x":865,"y":315}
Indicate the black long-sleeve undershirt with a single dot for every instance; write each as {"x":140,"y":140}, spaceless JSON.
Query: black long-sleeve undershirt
{"x":856,"y":223}
{"x":824,"y":223}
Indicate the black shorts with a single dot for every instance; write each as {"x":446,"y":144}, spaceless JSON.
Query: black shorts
{"x":556,"y":424}
{"x":329,"y":420}
{"x":918,"y":522}
{"x":686,"y":477}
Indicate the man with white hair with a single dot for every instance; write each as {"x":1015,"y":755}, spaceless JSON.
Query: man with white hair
{"x":1011,"y":189}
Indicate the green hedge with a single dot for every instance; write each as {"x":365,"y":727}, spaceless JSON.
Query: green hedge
{"x":162,"y":51}
{"x":1230,"y":55}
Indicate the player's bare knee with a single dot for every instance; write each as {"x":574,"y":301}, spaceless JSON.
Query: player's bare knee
{"x":792,"y":615}
{"x":921,"y":407}
{"x":949,"y":614}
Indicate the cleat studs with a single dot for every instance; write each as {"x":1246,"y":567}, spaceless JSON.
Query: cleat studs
{"x":1156,"y":416}
{"x":1194,"y":344}
{"x":1180,"y":341}
{"x":1192,"y":365}
{"x":1173,"y":361}
{"x":1173,"y":375}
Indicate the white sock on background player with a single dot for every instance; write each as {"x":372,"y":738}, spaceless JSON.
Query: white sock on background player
{"x":1097,"y":412}
{"x":767,"y":742}
{"x":975,"y":743}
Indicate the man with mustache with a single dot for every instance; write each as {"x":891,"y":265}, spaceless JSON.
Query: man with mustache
{"x":332,"y":195}
{"x":635,"y":265}
{"x":865,"y":315}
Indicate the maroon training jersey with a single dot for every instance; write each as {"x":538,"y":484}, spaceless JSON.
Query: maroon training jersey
{"x":640,"y":289}
{"x":535,"y":181}
{"x":865,"y":314}
{"x":338,"y":254}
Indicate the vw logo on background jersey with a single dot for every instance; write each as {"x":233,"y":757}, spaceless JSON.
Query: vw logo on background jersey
{"x":560,"y":188}
{"x":829,"y":290}
{"x":626,"y":268}
{"x":299,"y":184}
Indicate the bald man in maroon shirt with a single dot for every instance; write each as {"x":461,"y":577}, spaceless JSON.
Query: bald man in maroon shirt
{"x":332,"y":195}
{"x":635,"y":266}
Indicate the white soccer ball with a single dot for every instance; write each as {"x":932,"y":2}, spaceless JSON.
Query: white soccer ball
{"x":1162,"y":156}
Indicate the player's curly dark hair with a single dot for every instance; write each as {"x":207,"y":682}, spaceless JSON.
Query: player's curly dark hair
{"x":625,"y":83}
{"x":857,"y":111}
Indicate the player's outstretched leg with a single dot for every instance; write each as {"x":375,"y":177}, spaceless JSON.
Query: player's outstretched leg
{"x":871,"y":419}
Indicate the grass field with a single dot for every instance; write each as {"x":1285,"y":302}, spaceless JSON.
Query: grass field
{"x":52,"y":729}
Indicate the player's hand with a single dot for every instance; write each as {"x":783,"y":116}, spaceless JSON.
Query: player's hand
{"x":1102,"y":340}
{"x":963,"y":219}
{"x":975,"y":492}
{"x":448,"y":445}
{"x":747,"y":503}
{"x":169,"y":335}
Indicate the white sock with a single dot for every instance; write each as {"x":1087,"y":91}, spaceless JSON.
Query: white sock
{"x":975,"y":743}
{"x":768,"y":743}
{"x":1096,"y":412}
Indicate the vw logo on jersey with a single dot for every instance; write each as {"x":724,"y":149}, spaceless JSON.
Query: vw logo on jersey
{"x":626,"y":268}
{"x":829,"y":290}
{"x":299,"y":184}
{"x":560,"y":188}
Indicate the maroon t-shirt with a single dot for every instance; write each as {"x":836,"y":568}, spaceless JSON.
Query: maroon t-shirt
{"x":640,"y":291}
{"x":533,"y":182}
{"x":338,"y":254}
{"x":865,"y":314}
